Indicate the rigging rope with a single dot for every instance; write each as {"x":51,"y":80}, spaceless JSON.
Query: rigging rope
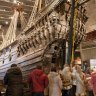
{"x":33,"y":13}
{"x":11,"y":32}
{"x":23,"y":20}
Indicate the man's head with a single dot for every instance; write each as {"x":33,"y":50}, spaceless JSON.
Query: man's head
{"x":53,"y":69}
{"x":13,"y":65}
{"x":66,"y":65}
{"x":39,"y":67}
{"x":73,"y":64}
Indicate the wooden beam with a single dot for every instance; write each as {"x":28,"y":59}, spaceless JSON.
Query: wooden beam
{"x":40,"y":2}
{"x":83,"y":3}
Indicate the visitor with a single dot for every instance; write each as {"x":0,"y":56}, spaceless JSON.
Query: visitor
{"x":74,"y":80}
{"x":38,"y":81}
{"x":55,"y":83}
{"x":89,"y":87}
{"x":80,"y":78}
{"x":93,"y":81}
{"x":67,"y":81}
{"x":13,"y":81}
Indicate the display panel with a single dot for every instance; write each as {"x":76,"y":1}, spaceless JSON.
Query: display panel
{"x":93,"y":64}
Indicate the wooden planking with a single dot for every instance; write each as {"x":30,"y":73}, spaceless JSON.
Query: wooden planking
{"x":26,"y":63}
{"x":25,"y":69}
{"x":22,"y":59}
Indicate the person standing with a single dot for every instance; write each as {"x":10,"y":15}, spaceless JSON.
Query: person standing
{"x":38,"y":81}
{"x":67,"y":81}
{"x":80,"y":78}
{"x":55,"y":83}
{"x":93,"y":81}
{"x":74,"y":80}
{"x":13,"y":81}
{"x":89,"y":87}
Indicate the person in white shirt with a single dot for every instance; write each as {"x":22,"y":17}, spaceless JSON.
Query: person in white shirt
{"x":80,"y":78}
{"x":74,"y":81}
{"x":55,"y":83}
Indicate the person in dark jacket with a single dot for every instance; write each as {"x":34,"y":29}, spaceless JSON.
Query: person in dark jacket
{"x":13,"y":81}
{"x":38,"y":81}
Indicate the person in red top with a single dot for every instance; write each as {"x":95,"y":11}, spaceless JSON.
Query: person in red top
{"x":38,"y":81}
{"x":93,"y":81}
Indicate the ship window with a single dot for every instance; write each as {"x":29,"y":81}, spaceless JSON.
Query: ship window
{"x":10,"y":57}
{"x":3,"y":61}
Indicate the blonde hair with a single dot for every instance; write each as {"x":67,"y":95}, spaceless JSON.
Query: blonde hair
{"x":67,"y":72}
{"x":66,"y":65}
{"x":79,"y":71}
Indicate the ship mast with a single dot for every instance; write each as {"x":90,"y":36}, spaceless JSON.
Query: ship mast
{"x":36,"y":8}
{"x":10,"y":36}
{"x":11,"y":32}
{"x":23,"y":21}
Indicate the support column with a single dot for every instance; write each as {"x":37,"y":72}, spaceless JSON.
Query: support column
{"x":71,"y":31}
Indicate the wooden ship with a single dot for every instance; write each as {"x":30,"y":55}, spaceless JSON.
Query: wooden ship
{"x":44,"y":39}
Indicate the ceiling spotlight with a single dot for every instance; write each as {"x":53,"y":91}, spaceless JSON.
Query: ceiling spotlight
{"x":15,"y":1}
{"x":18,"y":3}
{"x":11,"y":17}
{"x":4,"y":10}
{"x":69,"y":0}
{"x":6,"y":22}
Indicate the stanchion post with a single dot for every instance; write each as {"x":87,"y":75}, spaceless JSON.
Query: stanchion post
{"x":71,"y":31}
